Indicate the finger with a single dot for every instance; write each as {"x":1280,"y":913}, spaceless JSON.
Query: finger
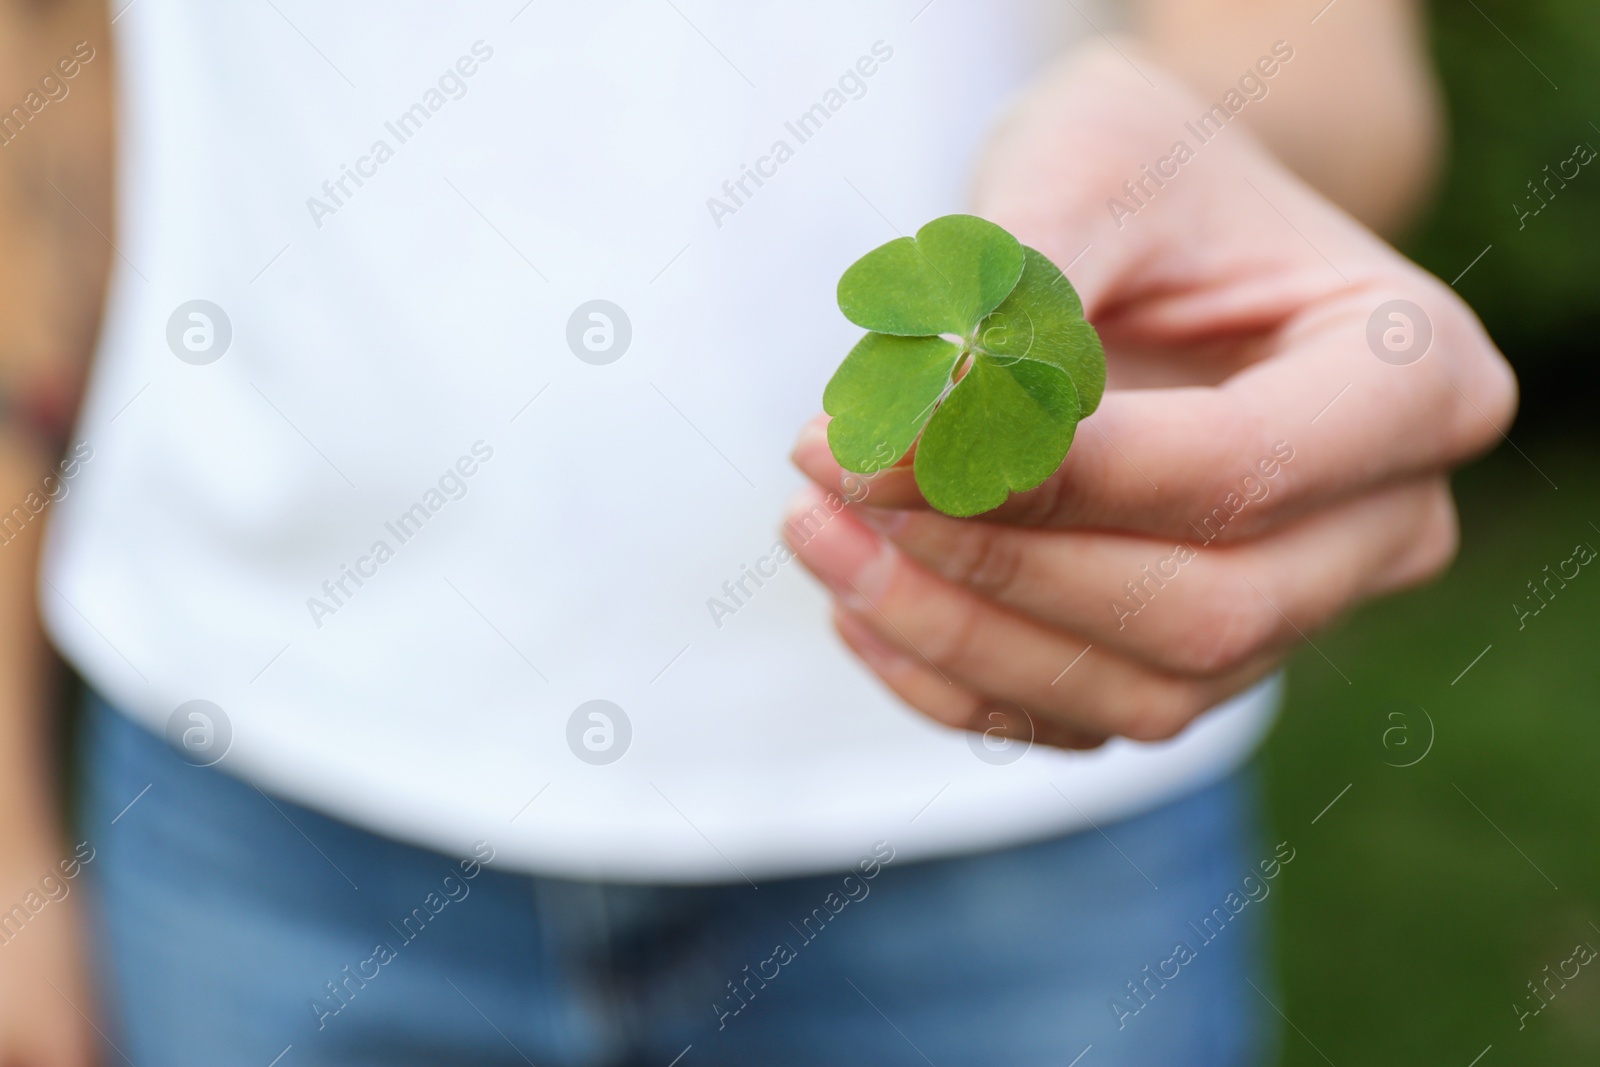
{"x":990,"y":651}
{"x":1190,"y":606}
{"x":947,"y":703}
{"x":1318,"y":419}
{"x":918,"y":684}
{"x":999,"y":720}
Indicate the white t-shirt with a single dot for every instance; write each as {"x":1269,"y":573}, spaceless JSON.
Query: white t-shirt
{"x":401,"y":501}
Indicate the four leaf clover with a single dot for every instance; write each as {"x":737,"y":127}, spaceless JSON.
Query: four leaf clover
{"x":979,"y":356}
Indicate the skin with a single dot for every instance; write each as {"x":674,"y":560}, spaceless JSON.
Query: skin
{"x":1234,"y":308}
{"x":52,"y":282}
{"x":1371,"y":143}
{"x":1185,"y":300}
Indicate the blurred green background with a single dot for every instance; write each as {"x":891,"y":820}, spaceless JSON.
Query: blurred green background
{"x":1428,"y":896}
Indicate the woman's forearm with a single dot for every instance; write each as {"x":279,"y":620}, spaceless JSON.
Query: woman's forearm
{"x":1356,"y":113}
{"x":27,"y":813}
{"x":55,"y":176}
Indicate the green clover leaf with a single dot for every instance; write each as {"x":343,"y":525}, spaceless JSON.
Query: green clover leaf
{"x":944,"y":280}
{"x":991,"y":413}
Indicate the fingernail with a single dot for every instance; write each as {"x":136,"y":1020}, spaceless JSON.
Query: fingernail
{"x":813,"y":435}
{"x":849,"y":558}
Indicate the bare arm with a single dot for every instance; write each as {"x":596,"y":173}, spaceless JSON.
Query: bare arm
{"x":55,"y":176}
{"x":1357,"y":114}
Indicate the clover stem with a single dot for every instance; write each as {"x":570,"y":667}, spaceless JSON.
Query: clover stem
{"x":969,"y":353}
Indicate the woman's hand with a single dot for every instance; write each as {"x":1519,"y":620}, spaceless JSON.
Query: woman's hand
{"x":1273,"y":449}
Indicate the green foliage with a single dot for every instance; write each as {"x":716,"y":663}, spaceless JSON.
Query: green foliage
{"x":1412,"y":921}
{"x":1538,"y":287}
{"x":991,"y":412}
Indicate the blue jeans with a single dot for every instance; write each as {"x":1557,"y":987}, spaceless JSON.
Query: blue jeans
{"x":235,"y":928}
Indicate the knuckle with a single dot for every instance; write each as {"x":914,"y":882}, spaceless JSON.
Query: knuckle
{"x":1481,"y":409}
{"x":1438,"y":537}
{"x":1251,"y":439}
{"x":1044,"y":505}
{"x":1159,"y":709}
{"x":1441,"y":534}
{"x":1476,"y":391}
{"x":1233,"y":497}
{"x":987,"y":560}
{"x":1232,"y":630}
{"x":948,"y":636}
{"x":1064,"y":735}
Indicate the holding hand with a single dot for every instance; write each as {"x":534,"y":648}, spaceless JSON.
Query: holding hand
{"x":1272,"y":450}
